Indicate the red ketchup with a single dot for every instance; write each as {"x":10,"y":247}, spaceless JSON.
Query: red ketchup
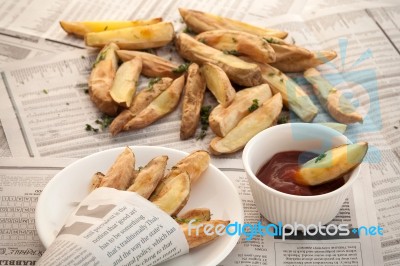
{"x":278,"y":174}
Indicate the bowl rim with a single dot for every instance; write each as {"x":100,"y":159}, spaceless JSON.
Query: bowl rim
{"x":246,"y":153}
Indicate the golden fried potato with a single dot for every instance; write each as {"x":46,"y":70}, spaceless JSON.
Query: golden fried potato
{"x":218,"y":83}
{"x":195,"y":235}
{"x":192,"y":101}
{"x":332,"y":99}
{"x":139,"y":37}
{"x":165,"y":103}
{"x":292,"y":64}
{"x":101,"y":79}
{"x":96,"y":181}
{"x":239,"y":71}
{"x":222,"y":120}
{"x":199,"y":21}
{"x":198,"y":214}
{"x":140,"y":101}
{"x":148,"y":177}
{"x":174,"y":195}
{"x":80,"y":28}
{"x":124,"y":87}
{"x":120,"y":174}
{"x":153,"y":66}
{"x":237,"y":42}
{"x":260,"y":119}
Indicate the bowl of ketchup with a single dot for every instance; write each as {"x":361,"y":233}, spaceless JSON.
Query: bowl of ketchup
{"x":271,"y":159}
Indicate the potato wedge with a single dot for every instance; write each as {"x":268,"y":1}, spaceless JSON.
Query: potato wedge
{"x":174,"y":195}
{"x":80,"y":28}
{"x":218,"y":83}
{"x":120,"y":174}
{"x":148,"y":177}
{"x":331,"y":165}
{"x":124,"y":87}
{"x":239,"y":71}
{"x":222,"y":120}
{"x":153,"y":66}
{"x":199,"y":21}
{"x":198,"y":214}
{"x":194,"y":164}
{"x":165,"y":103}
{"x":292,"y":64}
{"x":192,"y":101}
{"x":140,"y":101}
{"x":231,"y":41}
{"x":96,"y":181}
{"x":336,"y":126}
{"x":195,"y":235}
{"x":332,"y":99}
{"x":101,"y":79}
{"x":139,"y":37}
{"x":294,"y":98}
{"x":260,"y":119}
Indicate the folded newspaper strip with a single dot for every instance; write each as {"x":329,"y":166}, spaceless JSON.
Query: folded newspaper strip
{"x":112,"y":227}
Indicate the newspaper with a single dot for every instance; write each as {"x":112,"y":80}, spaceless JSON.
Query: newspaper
{"x":45,"y":113}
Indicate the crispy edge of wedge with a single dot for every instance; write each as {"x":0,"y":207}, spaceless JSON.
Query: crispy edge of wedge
{"x":195,"y":236}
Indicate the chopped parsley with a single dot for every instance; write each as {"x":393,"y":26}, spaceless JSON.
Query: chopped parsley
{"x":283,"y":118}
{"x":153,"y":81}
{"x":181,"y":68}
{"x":202,"y":40}
{"x":271,"y":40}
{"x":100,"y":57}
{"x":83,"y":57}
{"x":105,"y":28}
{"x":231,"y":52}
{"x":320,"y":157}
{"x":104,"y":121}
{"x":90,"y":128}
{"x":188,"y":30}
{"x":254,"y":106}
{"x":45,"y":91}
{"x":234,"y":40}
{"x":204,"y":114}
{"x":271,"y":74}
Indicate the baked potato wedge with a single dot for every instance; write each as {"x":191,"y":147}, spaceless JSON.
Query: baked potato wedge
{"x":260,"y":119}
{"x":174,"y":195}
{"x":224,"y":119}
{"x":195,"y":235}
{"x":237,"y":42}
{"x":124,"y":86}
{"x":239,"y":71}
{"x":331,"y":165}
{"x":294,"y":97}
{"x":153,"y":66}
{"x":101,"y":80}
{"x":148,"y":177}
{"x":290,"y":63}
{"x":218,"y":83}
{"x":121,"y":173}
{"x":165,"y":103}
{"x":80,"y":28}
{"x":135,"y":38}
{"x":199,"y":21}
{"x":192,"y":101}
{"x":336,"y":126}
{"x":140,"y":101}
{"x":96,"y":181}
{"x":332,"y":99}
{"x":198,"y":214}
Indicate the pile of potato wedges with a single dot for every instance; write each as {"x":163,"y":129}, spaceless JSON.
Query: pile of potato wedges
{"x":243,"y":66}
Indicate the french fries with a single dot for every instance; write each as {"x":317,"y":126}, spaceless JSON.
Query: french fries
{"x":80,"y":28}
{"x":140,"y":101}
{"x":120,"y":174}
{"x":165,"y":103}
{"x":218,"y":83}
{"x":135,"y":38}
{"x":199,"y":21}
{"x":153,"y":66}
{"x":332,"y":99}
{"x":260,"y":119}
{"x":192,"y":101}
{"x":149,"y":176}
{"x":237,"y":42}
{"x":239,"y":71}
{"x":124,"y":85}
{"x":224,"y":119}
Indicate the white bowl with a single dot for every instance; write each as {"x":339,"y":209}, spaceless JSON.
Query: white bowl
{"x":277,"y":206}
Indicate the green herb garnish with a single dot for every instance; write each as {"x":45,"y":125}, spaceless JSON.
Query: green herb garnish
{"x":104,"y":121}
{"x":283,"y":119}
{"x":231,"y":52}
{"x":271,"y":40}
{"x":271,"y":74}
{"x":202,"y":40}
{"x":254,"y":106}
{"x":188,"y":30}
{"x":153,"y":81}
{"x":105,"y":28}
{"x":204,"y":114}
{"x":100,"y":57}
{"x":181,"y":68}
{"x":234,"y":40}
{"x":45,"y":91}
{"x":83,"y":57}
{"x":320,"y":157}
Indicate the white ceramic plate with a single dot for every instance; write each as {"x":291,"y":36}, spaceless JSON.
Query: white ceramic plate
{"x":213,"y":190}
